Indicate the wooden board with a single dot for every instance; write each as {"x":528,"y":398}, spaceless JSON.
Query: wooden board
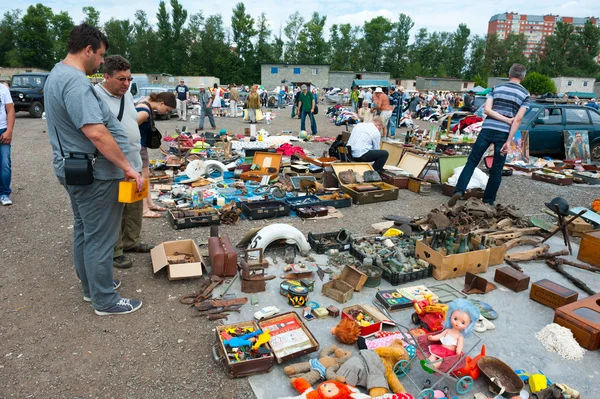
{"x":395,"y":151}
{"x":413,"y":163}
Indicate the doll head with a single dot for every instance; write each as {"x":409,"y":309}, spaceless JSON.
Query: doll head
{"x":347,"y":331}
{"x":465,"y":318}
{"x":334,"y":390}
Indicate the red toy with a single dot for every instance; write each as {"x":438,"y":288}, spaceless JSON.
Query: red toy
{"x":471,"y":368}
{"x":428,"y":314}
{"x":326,"y":390}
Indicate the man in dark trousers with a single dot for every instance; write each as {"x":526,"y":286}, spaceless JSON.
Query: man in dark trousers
{"x":505,"y":106}
{"x":79,"y":121}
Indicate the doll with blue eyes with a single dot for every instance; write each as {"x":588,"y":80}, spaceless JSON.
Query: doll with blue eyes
{"x":460,"y":321}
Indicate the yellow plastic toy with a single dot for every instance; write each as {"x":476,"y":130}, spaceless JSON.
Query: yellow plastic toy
{"x":262,"y":339}
{"x":393,"y":233}
{"x":537,"y":382}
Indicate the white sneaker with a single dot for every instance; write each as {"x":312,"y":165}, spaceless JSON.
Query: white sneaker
{"x":5,"y":200}
{"x":484,"y":324}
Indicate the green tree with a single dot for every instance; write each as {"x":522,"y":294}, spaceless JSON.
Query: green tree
{"x":458,"y":46}
{"x":538,"y":84}
{"x":144,"y":48}
{"x":192,"y":65}
{"x":9,"y":28}
{"x":479,"y":81}
{"x":292,"y":30}
{"x":265,"y":52}
{"x":164,"y":35}
{"x":377,"y":34}
{"x":92,"y":16}
{"x":62,"y":24}
{"x":342,"y":42}
{"x":242,"y":25}
{"x":119,"y":33}
{"x":396,"y":57}
{"x":35,"y":38}
{"x":475,"y":66}
{"x":179,"y":45}
{"x":312,"y":47}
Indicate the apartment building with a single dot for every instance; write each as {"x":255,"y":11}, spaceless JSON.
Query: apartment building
{"x":534,"y":27}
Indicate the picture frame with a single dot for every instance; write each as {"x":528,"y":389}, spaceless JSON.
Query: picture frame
{"x":577,"y":145}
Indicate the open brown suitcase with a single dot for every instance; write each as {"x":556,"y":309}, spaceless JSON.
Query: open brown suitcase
{"x":244,"y":368}
{"x":290,"y":338}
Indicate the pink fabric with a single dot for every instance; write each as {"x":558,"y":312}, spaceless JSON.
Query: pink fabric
{"x":288,"y":150}
{"x":441,"y":351}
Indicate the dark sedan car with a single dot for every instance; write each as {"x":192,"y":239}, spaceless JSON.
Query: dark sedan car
{"x":546,"y":123}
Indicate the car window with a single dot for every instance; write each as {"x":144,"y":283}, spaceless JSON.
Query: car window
{"x":551,"y":116}
{"x":577,"y":116}
{"x":595,"y":117}
{"x":530,"y":114}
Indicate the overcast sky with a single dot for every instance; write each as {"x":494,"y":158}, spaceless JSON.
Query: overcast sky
{"x":438,"y":16}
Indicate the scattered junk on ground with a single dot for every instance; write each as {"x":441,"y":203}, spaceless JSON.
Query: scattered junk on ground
{"x":212,"y":179}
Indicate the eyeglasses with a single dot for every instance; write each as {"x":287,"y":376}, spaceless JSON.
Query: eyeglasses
{"x":124,"y":79}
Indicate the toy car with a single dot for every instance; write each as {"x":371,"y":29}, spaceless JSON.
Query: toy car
{"x":266,"y":312}
{"x":429,"y":314}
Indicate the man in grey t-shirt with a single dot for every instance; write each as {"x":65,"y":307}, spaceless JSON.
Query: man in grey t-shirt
{"x":114,"y":90}
{"x":82,"y":122}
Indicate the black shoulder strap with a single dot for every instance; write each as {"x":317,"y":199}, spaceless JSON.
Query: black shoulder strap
{"x":150,"y":112}
{"x":120,"y":116}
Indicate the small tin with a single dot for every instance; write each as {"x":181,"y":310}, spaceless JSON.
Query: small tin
{"x":321,"y":313}
{"x":308,"y":283}
{"x":425,"y":188}
{"x":333,"y":311}
{"x":297,"y":296}
{"x":285,"y":286}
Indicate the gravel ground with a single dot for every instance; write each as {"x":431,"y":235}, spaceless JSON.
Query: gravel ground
{"x":54,"y":346}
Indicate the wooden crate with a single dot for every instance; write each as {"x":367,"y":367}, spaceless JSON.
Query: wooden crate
{"x":583,"y":319}
{"x":511,"y":278}
{"x":354,"y":277}
{"x":338,"y":290}
{"x":552,"y":294}
{"x":589,"y":250}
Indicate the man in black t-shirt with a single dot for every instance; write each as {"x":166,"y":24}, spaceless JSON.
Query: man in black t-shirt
{"x":183,"y":96}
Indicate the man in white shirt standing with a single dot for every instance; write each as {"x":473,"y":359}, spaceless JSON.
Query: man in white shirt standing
{"x":7,"y":122}
{"x":114,"y":90}
{"x":365,"y":141}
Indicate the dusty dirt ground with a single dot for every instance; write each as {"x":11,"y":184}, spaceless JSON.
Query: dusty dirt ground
{"x":54,"y":346}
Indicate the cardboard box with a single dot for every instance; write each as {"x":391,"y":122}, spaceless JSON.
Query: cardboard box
{"x":128,"y":192}
{"x":364,"y":331}
{"x":387,"y":192}
{"x":497,"y":253}
{"x":267,"y":161}
{"x":160,"y":259}
{"x":450,"y":266}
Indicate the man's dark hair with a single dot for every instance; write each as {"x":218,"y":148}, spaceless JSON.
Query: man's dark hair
{"x":115,"y":63}
{"x":85,"y":35}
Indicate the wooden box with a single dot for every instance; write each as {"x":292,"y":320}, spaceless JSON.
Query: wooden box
{"x":567,"y":181}
{"x":244,"y":368}
{"x":551,"y":294}
{"x":449,"y":190}
{"x":354,"y":277}
{"x":583,"y":319}
{"x":578,"y":227}
{"x":290,"y":338}
{"x":269,"y":162}
{"x":394,"y":179}
{"x":367,"y":330}
{"x":338,"y":290}
{"x":511,"y":278}
{"x":386,"y":192}
{"x":414,"y":184}
{"x":589,"y":250}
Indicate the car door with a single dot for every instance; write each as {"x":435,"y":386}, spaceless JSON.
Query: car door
{"x":546,"y":132}
{"x":594,"y":134}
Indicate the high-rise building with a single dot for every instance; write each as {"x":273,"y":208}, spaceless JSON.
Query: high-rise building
{"x":534,"y":27}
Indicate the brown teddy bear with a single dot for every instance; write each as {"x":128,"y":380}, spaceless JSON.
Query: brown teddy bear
{"x":374,"y":369}
{"x":325,"y":367}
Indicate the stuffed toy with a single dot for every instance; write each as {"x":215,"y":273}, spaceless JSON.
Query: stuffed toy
{"x":325,"y":367}
{"x":326,"y":390}
{"x":374,"y":369}
{"x":347,"y":331}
